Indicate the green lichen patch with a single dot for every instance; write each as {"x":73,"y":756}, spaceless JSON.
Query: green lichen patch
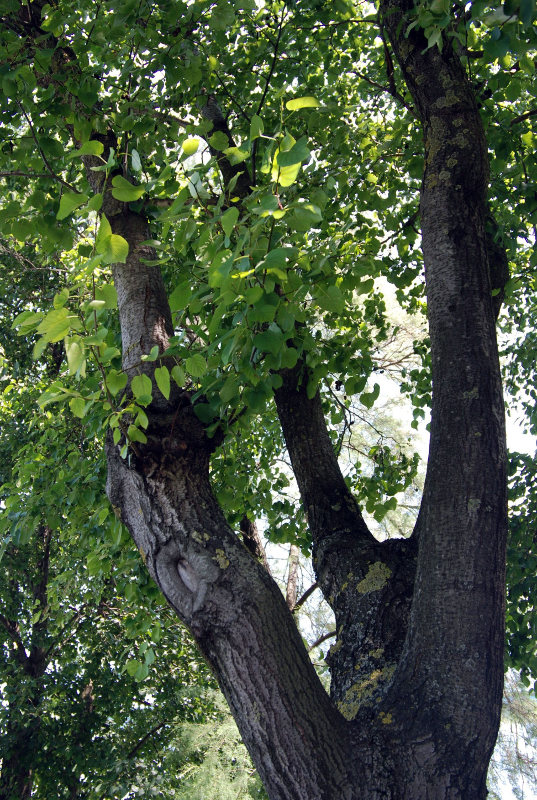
{"x":200,"y":537}
{"x":221,"y":559}
{"x":376,"y":653}
{"x":474,"y":504}
{"x":377,"y":576}
{"x":363,"y":690}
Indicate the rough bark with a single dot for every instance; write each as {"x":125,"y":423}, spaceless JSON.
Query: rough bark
{"x":452,"y":668}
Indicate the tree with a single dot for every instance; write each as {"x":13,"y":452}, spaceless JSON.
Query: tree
{"x":244,"y":174}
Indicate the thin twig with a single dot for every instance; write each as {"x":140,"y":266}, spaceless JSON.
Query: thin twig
{"x":43,"y":156}
{"x":20,"y":172}
{"x":321,"y":639}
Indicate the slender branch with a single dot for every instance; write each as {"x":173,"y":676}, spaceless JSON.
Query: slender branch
{"x":144,"y":739}
{"x":388,"y":90}
{"x":301,"y":600}
{"x":273,"y":64}
{"x":522,"y":117}
{"x":11,"y":629}
{"x":409,"y":223}
{"x":275,"y":45}
{"x":20,"y":172}
{"x":43,"y":156}
{"x":321,"y":639}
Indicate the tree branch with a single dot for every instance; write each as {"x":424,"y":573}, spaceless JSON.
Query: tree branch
{"x":43,"y":156}
{"x":321,"y":639}
{"x":301,"y":600}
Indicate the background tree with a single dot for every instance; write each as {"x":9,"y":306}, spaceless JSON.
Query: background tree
{"x":243,"y":199}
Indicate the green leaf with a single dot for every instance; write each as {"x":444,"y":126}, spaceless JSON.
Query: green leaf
{"x":302,"y":102}
{"x":78,"y":406}
{"x":74,"y":350}
{"x":61,"y":298}
{"x":39,"y":347}
{"x":132,"y":666}
{"x":125,"y":191}
{"x":289,"y":358}
{"x":305,"y":217}
{"x":135,"y":161}
{"x":230,"y":389}
{"x":219,"y":141}
{"x":190,"y":146}
{"x":142,"y":389}
{"x":288,"y":160}
{"x":134,"y":434}
{"x":256,"y":127}
{"x":115,"y":381}
{"x":91,"y":148}
{"x":107,"y":293}
{"x":117,"y":250}
{"x":114,"y":248}
{"x":95,"y":203}
{"x":180,"y":296}
{"x":103,"y":234}
{"x":162,"y":377}
{"x":270,"y":341}
{"x":236,"y":154}
{"x":368,"y":398}
{"x":196,"y":365}
{"x":298,"y":153}
{"x":229,"y":219}
{"x":330,"y":299}
{"x":364,"y":287}
{"x":56,"y":324}
{"x":152,"y":355}
{"x":69,"y":201}
{"x":178,"y":374}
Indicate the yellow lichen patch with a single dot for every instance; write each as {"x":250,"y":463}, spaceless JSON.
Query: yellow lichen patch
{"x":386,"y":719}
{"x":335,"y":647}
{"x":376,"y":578}
{"x":450,"y":99}
{"x":200,"y":537}
{"x":362,"y":690}
{"x":221,"y":559}
{"x":376,"y":653}
{"x":474,"y":504}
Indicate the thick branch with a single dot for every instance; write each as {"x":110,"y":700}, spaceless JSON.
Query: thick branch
{"x":292,"y":577}
{"x":252,"y":540}
{"x":368,"y":583}
{"x":211,"y":111}
{"x":457,"y":614}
